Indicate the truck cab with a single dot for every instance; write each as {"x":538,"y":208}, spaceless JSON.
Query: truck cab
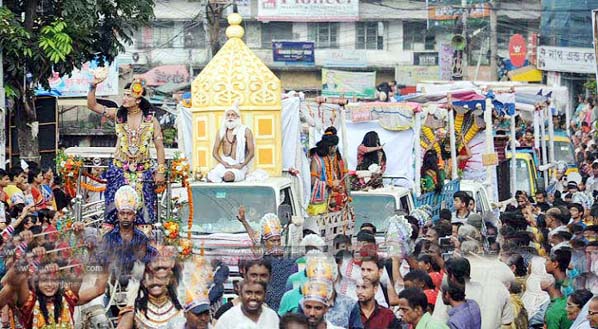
{"x":478,"y":192}
{"x":526,"y":173}
{"x":215,"y":227}
{"x":375,"y":206}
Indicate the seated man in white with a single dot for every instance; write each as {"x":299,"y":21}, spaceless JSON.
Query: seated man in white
{"x":233,"y":148}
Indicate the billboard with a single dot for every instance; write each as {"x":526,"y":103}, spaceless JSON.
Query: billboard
{"x":295,"y":52}
{"x":308,"y":11}
{"x":77,"y":84}
{"x":348,"y":84}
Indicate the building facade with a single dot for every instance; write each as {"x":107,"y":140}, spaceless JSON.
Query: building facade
{"x":396,"y":38}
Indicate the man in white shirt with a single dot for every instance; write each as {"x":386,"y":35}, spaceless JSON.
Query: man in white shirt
{"x":490,"y":294}
{"x":251,"y":313}
{"x":592,"y":182}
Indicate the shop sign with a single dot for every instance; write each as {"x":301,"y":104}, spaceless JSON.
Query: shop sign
{"x":293,"y":52}
{"x":425,"y":59}
{"x":562,"y":59}
{"x":308,"y":10}
{"x":517,"y":50}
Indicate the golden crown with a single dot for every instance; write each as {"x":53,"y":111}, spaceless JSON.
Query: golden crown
{"x":321,"y":267}
{"x":317,"y":290}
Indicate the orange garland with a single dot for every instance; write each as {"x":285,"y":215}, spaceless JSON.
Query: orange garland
{"x":190,"y":200}
{"x":328,"y":164}
{"x":92,"y":188}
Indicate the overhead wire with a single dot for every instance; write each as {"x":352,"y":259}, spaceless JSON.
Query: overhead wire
{"x":348,"y":43}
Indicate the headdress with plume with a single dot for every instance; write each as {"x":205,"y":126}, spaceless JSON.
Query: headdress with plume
{"x":126,"y":198}
{"x":198,"y":277}
{"x":270,"y":226}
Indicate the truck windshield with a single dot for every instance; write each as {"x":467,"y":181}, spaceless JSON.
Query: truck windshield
{"x":215,"y":207}
{"x":522,"y":182}
{"x":373,"y":209}
{"x":564,"y":152}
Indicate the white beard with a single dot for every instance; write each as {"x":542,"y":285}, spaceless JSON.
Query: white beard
{"x":232,"y":124}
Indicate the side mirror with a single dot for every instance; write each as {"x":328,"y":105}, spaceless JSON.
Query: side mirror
{"x":285,"y":214}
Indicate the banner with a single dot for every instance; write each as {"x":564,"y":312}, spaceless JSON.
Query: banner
{"x":411,"y":75}
{"x":293,"y":52}
{"x":390,"y":116}
{"x":345,"y":58}
{"x":446,"y":12}
{"x":77,"y":84}
{"x":166,"y":74}
{"x":561,"y":59}
{"x":445,"y":57}
{"x":348,"y":84}
{"x":308,"y":11}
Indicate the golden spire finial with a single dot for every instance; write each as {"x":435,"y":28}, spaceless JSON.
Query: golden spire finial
{"x":235,"y":30}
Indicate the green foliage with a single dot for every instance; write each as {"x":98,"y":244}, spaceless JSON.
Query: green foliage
{"x":55,"y":42}
{"x":65,"y":35}
{"x":169,"y":135}
{"x":590,"y":86}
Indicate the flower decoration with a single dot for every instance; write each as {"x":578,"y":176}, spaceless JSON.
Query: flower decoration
{"x":179,"y":169}
{"x":185,"y":248}
{"x":136,"y":88}
{"x":68,"y":168}
{"x":171,"y":229}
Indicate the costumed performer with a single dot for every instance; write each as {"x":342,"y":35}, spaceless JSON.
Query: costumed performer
{"x":136,"y":129}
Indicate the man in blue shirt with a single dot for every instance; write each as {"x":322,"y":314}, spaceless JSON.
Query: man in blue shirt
{"x":464,"y":313}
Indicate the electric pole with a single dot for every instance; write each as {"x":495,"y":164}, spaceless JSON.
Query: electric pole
{"x":493,"y":41}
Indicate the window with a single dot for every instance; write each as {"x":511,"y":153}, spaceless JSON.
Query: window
{"x":416,"y":33}
{"x":325,"y":35}
{"x":194,"y":35}
{"x":163,"y":34}
{"x":279,"y":31}
{"x":144,"y":37}
{"x":369,"y":36}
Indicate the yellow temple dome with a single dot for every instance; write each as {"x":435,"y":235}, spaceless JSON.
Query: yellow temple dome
{"x":236,"y":73}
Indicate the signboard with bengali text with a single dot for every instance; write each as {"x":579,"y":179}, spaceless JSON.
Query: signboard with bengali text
{"x":296,"y":52}
{"x":308,"y":10}
{"x":561,"y":59}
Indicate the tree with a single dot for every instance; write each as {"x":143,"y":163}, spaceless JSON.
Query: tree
{"x":214,"y":10}
{"x":42,"y":37}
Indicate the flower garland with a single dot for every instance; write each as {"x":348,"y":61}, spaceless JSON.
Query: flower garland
{"x":68,"y":167}
{"x":178,"y":171}
{"x":92,"y":188}
{"x":328,"y":164}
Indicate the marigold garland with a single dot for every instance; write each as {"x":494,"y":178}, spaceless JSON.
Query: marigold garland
{"x":68,"y":167}
{"x":92,"y":188}
{"x":178,"y":171}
